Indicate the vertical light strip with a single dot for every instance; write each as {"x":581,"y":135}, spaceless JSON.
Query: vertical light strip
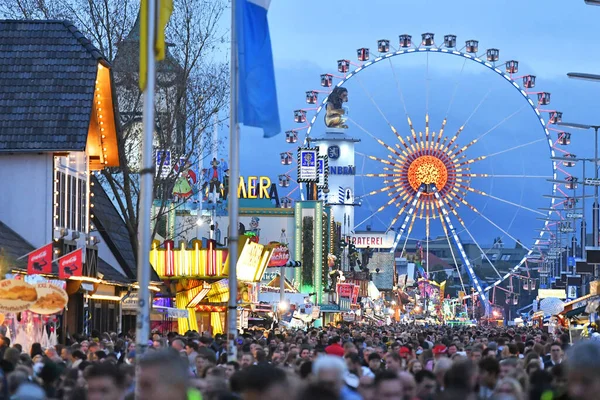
{"x":318,"y":253}
{"x":55,"y":197}
{"x":88,"y":195}
{"x":65,"y":195}
{"x":298,"y":238}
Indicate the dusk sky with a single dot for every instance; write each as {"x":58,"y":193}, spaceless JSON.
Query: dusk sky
{"x":548,"y":38}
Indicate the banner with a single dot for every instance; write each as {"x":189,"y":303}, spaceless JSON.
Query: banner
{"x":70,"y":264}
{"x":16,"y":296}
{"x":307,"y":165}
{"x":51,"y":299}
{"x":40,"y":260}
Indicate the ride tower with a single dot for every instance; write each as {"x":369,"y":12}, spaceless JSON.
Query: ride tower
{"x":338,"y":145}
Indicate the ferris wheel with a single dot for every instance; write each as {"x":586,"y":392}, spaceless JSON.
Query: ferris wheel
{"x":455,"y":146}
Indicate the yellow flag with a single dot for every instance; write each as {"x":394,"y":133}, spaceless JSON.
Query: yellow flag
{"x":166,"y":8}
{"x":164,"y":13}
{"x":143,"y":43}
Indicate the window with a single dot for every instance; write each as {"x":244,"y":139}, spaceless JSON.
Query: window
{"x":70,"y":207}
{"x":60,"y":206}
{"x":505,"y":257}
{"x":493,"y":257}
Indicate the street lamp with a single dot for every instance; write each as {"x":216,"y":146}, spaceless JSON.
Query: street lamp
{"x":583,"y":75}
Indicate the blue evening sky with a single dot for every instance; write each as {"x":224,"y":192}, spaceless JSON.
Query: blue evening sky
{"x":548,"y":37}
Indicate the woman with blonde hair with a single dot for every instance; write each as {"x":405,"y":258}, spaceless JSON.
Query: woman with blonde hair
{"x":510,"y":386}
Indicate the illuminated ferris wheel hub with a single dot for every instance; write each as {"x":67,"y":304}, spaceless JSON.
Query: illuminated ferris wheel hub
{"x":427,"y":170}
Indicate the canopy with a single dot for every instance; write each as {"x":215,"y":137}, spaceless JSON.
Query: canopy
{"x":275,"y":283}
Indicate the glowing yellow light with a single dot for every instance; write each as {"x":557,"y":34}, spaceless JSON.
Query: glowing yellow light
{"x":427,"y":170}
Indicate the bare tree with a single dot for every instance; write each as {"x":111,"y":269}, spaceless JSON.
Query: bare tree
{"x":192,"y":88}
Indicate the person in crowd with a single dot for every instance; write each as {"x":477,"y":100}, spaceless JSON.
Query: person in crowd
{"x":163,"y":374}
{"x":375,"y":363}
{"x":104,"y":382}
{"x":263,"y":382}
{"x":426,"y":385}
{"x":508,"y":366}
{"x":246,"y":361}
{"x":393,"y":362}
{"x":331,"y":370}
{"x":556,"y":354}
{"x":335,"y":347}
{"x":509,"y":387}
{"x":414,"y":366}
{"x":583,"y":370}
{"x":409,"y":385}
{"x":231,"y":368}
{"x":440,"y":369}
{"x":388,"y":386}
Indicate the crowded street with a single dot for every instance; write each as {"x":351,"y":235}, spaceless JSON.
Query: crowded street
{"x":299,"y":200}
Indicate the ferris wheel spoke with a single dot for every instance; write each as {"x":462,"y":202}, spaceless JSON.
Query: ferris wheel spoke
{"x":476,"y":211}
{"x":462,"y":283}
{"x":482,"y":193}
{"x":427,"y":95}
{"x":460,"y":248}
{"x":373,"y":101}
{"x":483,"y":253}
{"x":456,"y":85}
{"x":381,"y":142}
{"x":413,"y":206}
{"x":427,"y":241}
{"x":410,"y":228}
{"x":499,"y":124}
{"x":507,"y":176}
{"x":516,"y":147}
{"x":398,"y":87}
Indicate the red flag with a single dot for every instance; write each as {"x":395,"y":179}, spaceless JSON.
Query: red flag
{"x":70,"y":264}
{"x":40,"y":260}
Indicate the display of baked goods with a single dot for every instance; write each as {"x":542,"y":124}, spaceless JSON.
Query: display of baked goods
{"x":23,"y":293}
{"x":50,"y":301}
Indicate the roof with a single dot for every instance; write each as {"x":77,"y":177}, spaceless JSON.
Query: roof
{"x":14,"y":246}
{"x":47,"y":80}
{"x":276,"y":283}
{"x":113,"y":231}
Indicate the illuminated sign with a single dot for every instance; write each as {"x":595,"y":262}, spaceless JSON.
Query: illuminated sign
{"x":372,"y":240}
{"x":197,"y":262}
{"x":349,"y":170}
{"x":252,"y":261}
{"x":280,"y":257}
{"x":546,"y":293}
{"x":256,"y":187}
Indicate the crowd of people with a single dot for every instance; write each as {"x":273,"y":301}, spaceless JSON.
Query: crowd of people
{"x":349,"y":362}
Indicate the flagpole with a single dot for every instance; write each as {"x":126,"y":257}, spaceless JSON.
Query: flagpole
{"x":234,"y":177}
{"x":146,"y":190}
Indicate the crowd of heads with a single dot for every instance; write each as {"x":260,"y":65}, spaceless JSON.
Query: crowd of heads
{"x":350,"y":362}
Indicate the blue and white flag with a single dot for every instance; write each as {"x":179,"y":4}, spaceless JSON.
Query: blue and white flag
{"x":257,"y":96}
